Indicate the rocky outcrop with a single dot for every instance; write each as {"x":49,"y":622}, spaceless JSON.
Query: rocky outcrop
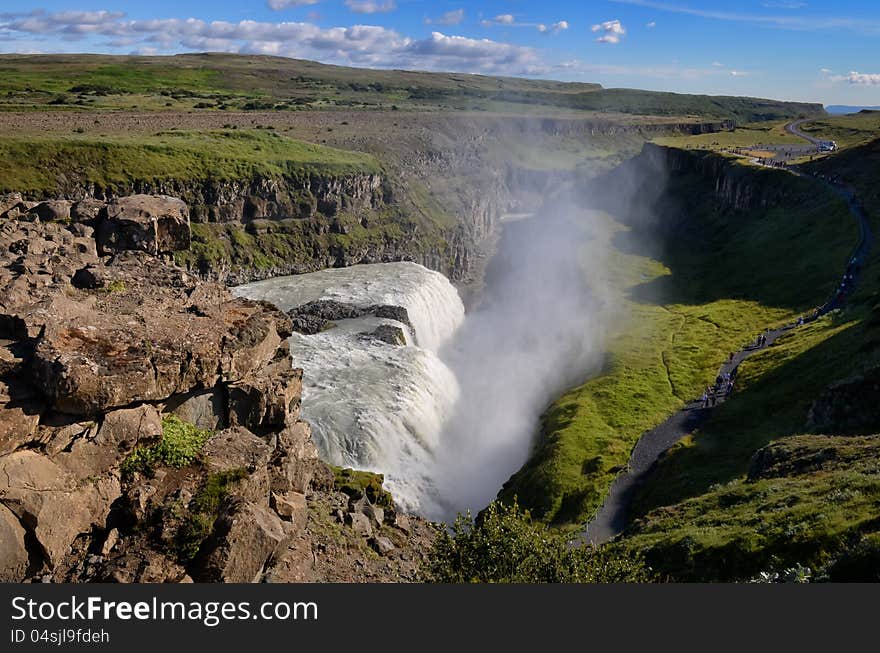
{"x":848,"y":407}
{"x":319,"y":315}
{"x":153,"y":224}
{"x":149,"y":420}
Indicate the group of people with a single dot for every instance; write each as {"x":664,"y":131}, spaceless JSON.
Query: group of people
{"x":723,"y":388}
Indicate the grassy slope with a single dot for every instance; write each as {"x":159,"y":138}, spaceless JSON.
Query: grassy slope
{"x":702,"y":518}
{"x":232,"y":81}
{"x":40,"y":165}
{"x":722,"y":277}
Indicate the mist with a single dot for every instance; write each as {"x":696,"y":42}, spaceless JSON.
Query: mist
{"x":539,"y":330}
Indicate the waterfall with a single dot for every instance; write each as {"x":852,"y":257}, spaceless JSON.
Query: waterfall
{"x":373,"y":405}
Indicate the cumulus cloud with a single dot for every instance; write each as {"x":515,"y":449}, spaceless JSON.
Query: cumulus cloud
{"x":651,"y":25}
{"x":857,"y":78}
{"x":364,"y":45}
{"x":278,"y":5}
{"x":611,"y":31}
{"x":370,"y":6}
{"x":453,"y":17}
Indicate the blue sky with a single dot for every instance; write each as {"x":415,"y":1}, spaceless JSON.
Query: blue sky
{"x":790,"y":49}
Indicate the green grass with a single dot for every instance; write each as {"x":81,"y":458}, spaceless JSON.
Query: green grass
{"x":722,"y":277}
{"x":849,"y":131}
{"x":275,"y":83}
{"x":746,"y":135}
{"x":203,"y":509}
{"x":42,"y":165}
{"x":817,"y":511}
{"x":180,"y":446}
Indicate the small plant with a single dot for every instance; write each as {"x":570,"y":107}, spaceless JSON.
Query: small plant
{"x":180,"y":445}
{"x":203,"y":510}
{"x":115,"y":286}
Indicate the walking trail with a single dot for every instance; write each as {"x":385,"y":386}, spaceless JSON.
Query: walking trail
{"x":611,"y":518}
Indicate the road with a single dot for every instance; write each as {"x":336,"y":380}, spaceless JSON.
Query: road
{"x":793,"y":128}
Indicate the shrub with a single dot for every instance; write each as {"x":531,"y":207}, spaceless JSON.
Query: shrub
{"x":180,"y":445}
{"x":505,"y":546}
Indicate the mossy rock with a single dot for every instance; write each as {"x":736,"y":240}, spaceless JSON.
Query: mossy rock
{"x":356,"y":483}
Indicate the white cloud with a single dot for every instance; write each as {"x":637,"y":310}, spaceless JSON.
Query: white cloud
{"x":739,"y":73}
{"x":858,"y":79}
{"x":454,"y":17}
{"x":362,"y":45}
{"x":611,"y":31}
{"x":278,"y":5}
{"x":718,"y":64}
{"x":505,"y":19}
{"x":370,"y":6}
{"x":651,"y":25}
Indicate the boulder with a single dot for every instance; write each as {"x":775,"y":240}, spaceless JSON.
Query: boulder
{"x":13,"y":552}
{"x":120,"y":432}
{"x":269,"y":400}
{"x":8,"y":201}
{"x":19,"y":418}
{"x":237,"y":448}
{"x":295,"y":564}
{"x":381,"y":545}
{"x":154,"y":224}
{"x":87,"y":211}
{"x":359,"y":523}
{"x":295,"y":460}
{"x":292,"y":507}
{"x":246,"y":536}
{"x":52,"y":211}
{"x":49,"y":500}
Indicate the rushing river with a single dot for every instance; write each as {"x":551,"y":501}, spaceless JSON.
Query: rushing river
{"x":450,"y":415}
{"x":374,"y":405}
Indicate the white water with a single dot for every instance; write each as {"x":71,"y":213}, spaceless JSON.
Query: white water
{"x":373,"y":405}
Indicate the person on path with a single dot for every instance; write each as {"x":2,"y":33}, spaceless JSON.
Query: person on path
{"x":705,"y":399}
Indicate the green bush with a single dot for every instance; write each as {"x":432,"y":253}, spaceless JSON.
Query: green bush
{"x":504,"y":545}
{"x":180,"y":445}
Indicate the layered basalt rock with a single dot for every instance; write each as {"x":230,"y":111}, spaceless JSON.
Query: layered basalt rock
{"x":101,"y":350}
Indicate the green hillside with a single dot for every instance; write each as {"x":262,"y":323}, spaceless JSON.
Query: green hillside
{"x":236,"y":82}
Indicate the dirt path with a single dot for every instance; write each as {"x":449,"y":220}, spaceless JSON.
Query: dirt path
{"x":611,"y":518}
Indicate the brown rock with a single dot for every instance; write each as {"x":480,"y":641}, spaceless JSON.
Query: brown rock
{"x":120,"y":432}
{"x":13,"y":552}
{"x":51,"y":502}
{"x":86,"y":211}
{"x":292,"y":507}
{"x":246,"y":537}
{"x":206,"y":409}
{"x":359,"y":523}
{"x":19,"y":418}
{"x":269,"y":400}
{"x":52,"y":211}
{"x":293,"y":565}
{"x":151,"y":223}
{"x":382,"y":545}
{"x":8,"y":201}
{"x":295,"y":460}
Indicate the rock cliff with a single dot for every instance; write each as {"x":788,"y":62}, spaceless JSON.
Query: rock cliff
{"x":149,"y":420}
